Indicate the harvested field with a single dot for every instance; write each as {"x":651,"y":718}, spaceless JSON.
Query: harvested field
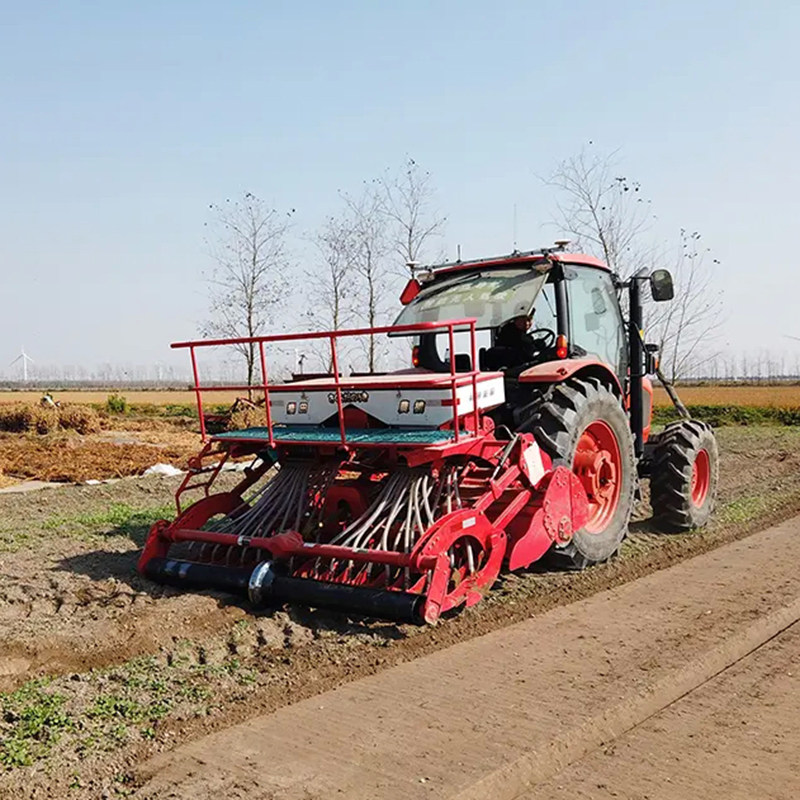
{"x":779,"y":396}
{"x":126,"y":445}
{"x":75,"y":460}
{"x":134,"y":397}
{"x":139,"y":667}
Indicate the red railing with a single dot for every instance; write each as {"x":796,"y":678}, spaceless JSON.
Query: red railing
{"x":340,"y":383}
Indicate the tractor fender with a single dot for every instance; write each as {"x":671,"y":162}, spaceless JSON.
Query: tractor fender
{"x":564,"y":369}
{"x":562,"y":510}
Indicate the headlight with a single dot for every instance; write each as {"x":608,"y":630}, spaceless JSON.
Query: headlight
{"x":291,"y":408}
{"x":419,"y":406}
{"x":404,"y":407}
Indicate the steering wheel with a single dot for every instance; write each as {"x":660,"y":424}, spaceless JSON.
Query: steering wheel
{"x":543,"y":338}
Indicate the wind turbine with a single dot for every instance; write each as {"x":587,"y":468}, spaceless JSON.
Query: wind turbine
{"x":25,"y":358}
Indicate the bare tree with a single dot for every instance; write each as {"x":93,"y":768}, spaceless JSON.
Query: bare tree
{"x":370,"y":248}
{"x":608,"y":217}
{"x":604,"y":212}
{"x":249,"y":283}
{"x":408,"y":202}
{"x":332,"y":292}
{"x":687,"y":325}
{"x":365,"y":249}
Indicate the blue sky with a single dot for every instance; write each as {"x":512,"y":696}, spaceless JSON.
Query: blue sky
{"x":121,"y":123}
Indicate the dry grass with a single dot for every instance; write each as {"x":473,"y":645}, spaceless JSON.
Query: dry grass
{"x":60,"y":457}
{"x":33,"y":418}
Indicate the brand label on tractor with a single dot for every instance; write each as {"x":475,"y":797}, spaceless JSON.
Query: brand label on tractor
{"x":350,"y":396}
{"x":468,"y":523}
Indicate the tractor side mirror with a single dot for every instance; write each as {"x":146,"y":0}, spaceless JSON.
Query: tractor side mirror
{"x":661,"y":285}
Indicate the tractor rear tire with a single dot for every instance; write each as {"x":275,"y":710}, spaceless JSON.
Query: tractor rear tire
{"x":684,"y":473}
{"x":582,"y":425}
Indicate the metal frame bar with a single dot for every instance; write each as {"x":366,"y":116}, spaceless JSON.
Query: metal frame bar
{"x":305,"y":550}
{"x":455,"y":379}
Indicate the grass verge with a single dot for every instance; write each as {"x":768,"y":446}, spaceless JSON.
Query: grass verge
{"x":719,"y":416}
{"x":117,"y":519}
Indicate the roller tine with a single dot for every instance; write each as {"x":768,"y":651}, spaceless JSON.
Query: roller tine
{"x":457,"y":493}
{"x":470,"y":558}
{"x":426,"y":493}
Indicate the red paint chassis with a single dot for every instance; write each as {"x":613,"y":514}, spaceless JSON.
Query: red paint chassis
{"x":407,"y":531}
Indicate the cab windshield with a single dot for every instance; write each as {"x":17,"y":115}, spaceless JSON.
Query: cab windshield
{"x":492,"y":298}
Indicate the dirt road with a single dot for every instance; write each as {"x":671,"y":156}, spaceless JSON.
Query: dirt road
{"x":737,"y":737}
{"x":497,"y":714}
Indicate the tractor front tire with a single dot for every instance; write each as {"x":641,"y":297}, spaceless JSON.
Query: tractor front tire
{"x":582,"y":425}
{"x":684,"y":472}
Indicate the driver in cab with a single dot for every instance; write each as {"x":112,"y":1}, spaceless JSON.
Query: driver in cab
{"x":518,"y":345}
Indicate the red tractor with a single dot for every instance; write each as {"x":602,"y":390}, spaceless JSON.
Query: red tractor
{"x":402,"y":495}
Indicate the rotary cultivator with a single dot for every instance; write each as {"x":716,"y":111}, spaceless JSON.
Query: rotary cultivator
{"x":403,"y":495}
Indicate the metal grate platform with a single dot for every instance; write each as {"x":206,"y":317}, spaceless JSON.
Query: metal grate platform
{"x":315,"y":435}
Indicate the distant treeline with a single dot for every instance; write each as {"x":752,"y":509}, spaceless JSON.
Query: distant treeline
{"x":100,"y":386}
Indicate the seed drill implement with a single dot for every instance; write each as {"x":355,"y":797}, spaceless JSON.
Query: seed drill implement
{"x":404,"y":495}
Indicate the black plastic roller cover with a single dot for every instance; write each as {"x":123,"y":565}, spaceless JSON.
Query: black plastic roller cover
{"x":380,"y":603}
{"x":188,"y":575}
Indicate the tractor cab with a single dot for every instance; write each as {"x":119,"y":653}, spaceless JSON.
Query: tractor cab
{"x":533,"y":307}
{"x":539,"y":315}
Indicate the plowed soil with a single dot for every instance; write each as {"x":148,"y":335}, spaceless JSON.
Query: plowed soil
{"x":126,"y":447}
{"x":71,"y":605}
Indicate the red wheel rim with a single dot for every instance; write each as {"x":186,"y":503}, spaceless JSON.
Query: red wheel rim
{"x":598,"y":464}
{"x":701,"y":478}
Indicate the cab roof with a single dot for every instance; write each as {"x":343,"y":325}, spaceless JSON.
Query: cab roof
{"x":518,"y":259}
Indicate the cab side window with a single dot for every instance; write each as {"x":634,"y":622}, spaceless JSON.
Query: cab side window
{"x":595,"y":318}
